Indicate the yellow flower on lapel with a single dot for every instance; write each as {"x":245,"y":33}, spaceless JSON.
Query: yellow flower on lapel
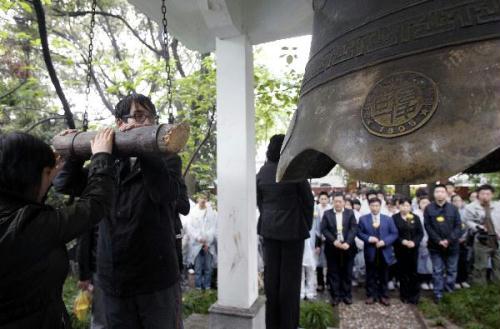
{"x":409,"y":217}
{"x":376,"y":225}
{"x":440,"y":218}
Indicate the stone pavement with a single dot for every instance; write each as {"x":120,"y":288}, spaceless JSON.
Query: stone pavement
{"x":356,"y":316}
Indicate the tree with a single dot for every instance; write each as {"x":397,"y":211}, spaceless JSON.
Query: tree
{"x":128,"y":57}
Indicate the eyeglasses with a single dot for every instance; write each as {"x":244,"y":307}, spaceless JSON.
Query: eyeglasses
{"x":139,"y":117}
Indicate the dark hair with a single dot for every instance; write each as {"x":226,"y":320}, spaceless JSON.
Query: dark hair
{"x":350,"y":202}
{"x":449,"y":183}
{"x":274,"y":148}
{"x":356,"y":201}
{"x":404,"y":199}
{"x":371,"y":192}
{"x":421,"y":191}
{"x":440,"y":186}
{"x":325,"y":193}
{"x":125,"y":104}
{"x":370,"y":201}
{"x":22,"y":159}
{"x":485,"y":187}
{"x":338,"y":195}
{"x":425,"y":197}
{"x":454,"y":196}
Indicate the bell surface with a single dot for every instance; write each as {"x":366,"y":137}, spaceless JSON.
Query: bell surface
{"x":398,"y":92}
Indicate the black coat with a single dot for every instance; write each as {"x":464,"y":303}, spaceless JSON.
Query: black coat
{"x":442,"y":223}
{"x":412,"y":231}
{"x":86,"y":252}
{"x":34,"y":261}
{"x":286,"y":208}
{"x":136,"y":251}
{"x":349,"y":228}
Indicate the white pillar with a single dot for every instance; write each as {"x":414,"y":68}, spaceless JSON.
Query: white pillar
{"x":236,"y":196}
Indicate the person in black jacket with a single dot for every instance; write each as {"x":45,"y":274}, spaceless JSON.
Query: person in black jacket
{"x":339,"y":226}
{"x":33,"y":235}
{"x":406,"y":247}
{"x":286,"y":211}
{"x":137,"y":263}
{"x":444,"y":227}
{"x":182,"y":207}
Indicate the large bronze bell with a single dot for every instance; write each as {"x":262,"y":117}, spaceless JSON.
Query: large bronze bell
{"x":398,"y":91}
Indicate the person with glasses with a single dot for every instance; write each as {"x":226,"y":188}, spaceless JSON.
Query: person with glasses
{"x":137,"y":266}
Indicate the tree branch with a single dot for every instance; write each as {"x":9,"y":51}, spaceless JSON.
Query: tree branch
{"x":33,"y":126}
{"x":10,"y":92}
{"x":101,"y":92}
{"x":42,"y":30}
{"x":205,"y":139}
{"x":151,"y":30}
{"x":103,"y":13}
{"x":174,"y":46}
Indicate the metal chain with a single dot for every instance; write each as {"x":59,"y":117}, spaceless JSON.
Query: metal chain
{"x":85,"y":124}
{"x":167,"y":62}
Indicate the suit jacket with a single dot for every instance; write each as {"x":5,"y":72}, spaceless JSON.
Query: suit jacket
{"x":412,"y":230}
{"x":286,"y":208}
{"x":387,"y":232}
{"x":349,"y":228}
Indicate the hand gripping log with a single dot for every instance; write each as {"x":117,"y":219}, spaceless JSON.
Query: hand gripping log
{"x":149,"y":140}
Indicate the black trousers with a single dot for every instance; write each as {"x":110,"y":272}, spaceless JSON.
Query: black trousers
{"x":377,"y":276}
{"x":320,"y":276}
{"x":178,"y":248}
{"x":282,"y":275}
{"x":157,"y":310}
{"x":409,"y":283}
{"x":463,"y":263}
{"x":339,"y":275}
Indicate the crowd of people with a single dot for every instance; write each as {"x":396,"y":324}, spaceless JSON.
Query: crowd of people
{"x":434,"y":241}
{"x":138,"y":229}
{"x":393,"y":241}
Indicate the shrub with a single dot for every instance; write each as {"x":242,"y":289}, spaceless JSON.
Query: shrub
{"x":197,"y":301}
{"x":474,"y":308}
{"x":317,"y":315}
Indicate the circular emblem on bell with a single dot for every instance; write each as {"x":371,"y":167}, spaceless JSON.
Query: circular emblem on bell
{"x":399,"y":104}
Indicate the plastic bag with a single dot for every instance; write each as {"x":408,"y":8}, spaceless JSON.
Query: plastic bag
{"x":82,"y":304}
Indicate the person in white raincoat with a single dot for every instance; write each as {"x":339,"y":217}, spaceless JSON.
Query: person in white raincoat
{"x":319,"y":210}
{"x":308,"y":283}
{"x":186,"y":246}
{"x":202,"y":232}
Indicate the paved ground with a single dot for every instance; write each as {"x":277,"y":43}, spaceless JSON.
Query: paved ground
{"x":356,"y":316}
{"x":361,"y":316}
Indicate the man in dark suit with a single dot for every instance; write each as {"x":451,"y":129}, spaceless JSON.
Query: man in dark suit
{"x":339,"y":228}
{"x":286,"y":212}
{"x":378,"y":233}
